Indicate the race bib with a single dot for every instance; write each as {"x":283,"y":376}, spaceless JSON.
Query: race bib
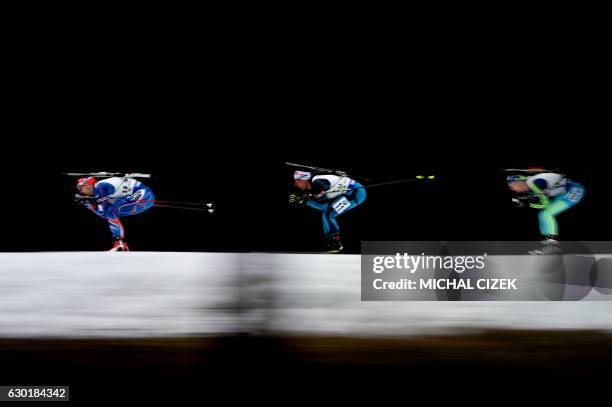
{"x":137,"y":196}
{"x":574,"y":195}
{"x":341,"y":205}
{"x":343,"y":184}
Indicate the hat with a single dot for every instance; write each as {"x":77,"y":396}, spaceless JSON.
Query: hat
{"x":302,"y":175}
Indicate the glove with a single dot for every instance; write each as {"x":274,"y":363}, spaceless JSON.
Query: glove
{"x":519,"y":203}
{"x":297,"y":199}
{"x":81,"y":199}
{"x":523,"y":201}
{"x":88,"y":202}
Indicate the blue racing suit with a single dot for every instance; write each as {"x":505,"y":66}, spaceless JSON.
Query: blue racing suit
{"x":335,"y":195}
{"x":115,"y":197}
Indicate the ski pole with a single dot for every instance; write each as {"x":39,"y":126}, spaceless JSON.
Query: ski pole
{"x":193,"y":206}
{"x":159,"y":201}
{"x":187,"y":208}
{"x":163,"y":204}
{"x":380,"y":184}
{"x":400,"y":181}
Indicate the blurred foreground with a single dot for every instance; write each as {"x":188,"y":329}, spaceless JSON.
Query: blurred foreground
{"x":102,"y":295}
{"x":178,"y":325}
{"x":494,"y":364}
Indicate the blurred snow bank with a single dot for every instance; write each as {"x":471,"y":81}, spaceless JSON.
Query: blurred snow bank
{"x":139,"y":294}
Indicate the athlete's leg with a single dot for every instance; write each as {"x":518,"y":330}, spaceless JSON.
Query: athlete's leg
{"x":322,"y":206}
{"x":345,"y":203}
{"x":116,"y":228}
{"x":548,"y":216}
{"x":341,"y":205}
{"x":330,"y":225}
{"x":120,"y":209}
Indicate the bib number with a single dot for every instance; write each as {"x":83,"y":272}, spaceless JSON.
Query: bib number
{"x":341,"y":205}
{"x":137,"y":196}
{"x":574,"y":195}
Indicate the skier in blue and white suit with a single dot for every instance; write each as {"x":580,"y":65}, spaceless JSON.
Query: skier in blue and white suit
{"x":333,"y":195}
{"x":113,"y":198}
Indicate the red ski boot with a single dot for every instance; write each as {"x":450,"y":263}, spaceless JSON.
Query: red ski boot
{"x":120,"y":246}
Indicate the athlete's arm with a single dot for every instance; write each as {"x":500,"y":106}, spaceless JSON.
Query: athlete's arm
{"x":103,"y":190}
{"x":537,"y":186}
{"x":320,"y":186}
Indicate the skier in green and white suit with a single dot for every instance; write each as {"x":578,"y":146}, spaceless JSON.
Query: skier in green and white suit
{"x":552,"y":194}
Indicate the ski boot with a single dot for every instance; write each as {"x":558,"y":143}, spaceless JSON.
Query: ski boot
{"x":549,"y":247}
{"x":119,"y":246}
{"x":334,"y":245}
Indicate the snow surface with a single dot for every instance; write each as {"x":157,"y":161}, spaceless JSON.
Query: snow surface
{"x":137,"y":294}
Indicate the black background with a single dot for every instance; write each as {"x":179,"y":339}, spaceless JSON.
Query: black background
{"x":214,"y":105}
{"x":215,"y":117}
{"x":249,"y":183}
